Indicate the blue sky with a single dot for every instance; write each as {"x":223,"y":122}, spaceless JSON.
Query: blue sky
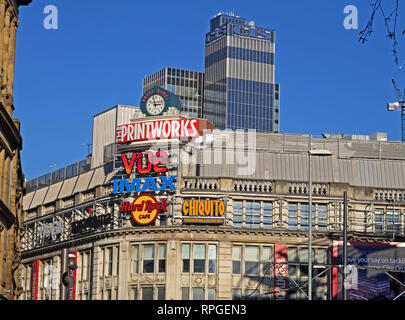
{"x":101,"y":51}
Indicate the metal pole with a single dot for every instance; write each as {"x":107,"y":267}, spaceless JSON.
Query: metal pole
{"x":344,"y":243}
{"x":63,"y":270}
{"x":310,"y":230}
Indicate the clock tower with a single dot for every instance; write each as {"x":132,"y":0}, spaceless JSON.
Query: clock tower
{"x":157,"y":101}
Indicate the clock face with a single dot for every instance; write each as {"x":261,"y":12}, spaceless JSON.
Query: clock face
{"x":155,"y":105}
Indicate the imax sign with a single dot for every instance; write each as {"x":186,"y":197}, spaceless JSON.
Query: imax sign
{"x":151,"y":183}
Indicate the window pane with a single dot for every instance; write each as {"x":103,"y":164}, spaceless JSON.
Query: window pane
{"x":292,"y":216}
{"x":322,"y":217}
{"x":198,"y":294}
{"x":136,"y":259}
{"x":212,"y":258}
{"x":267,"y":259}
{"x":237,"y":253}
{"x":211,"y":294}
{"x":135,"y":294}
{"x":199,"y":265}
{"x":185,"y":293}
{"x":252,"y":253}
{"x":148,"y":258}
{"x":148,"y":252}
{"x":236,"y":294}
{"x":162,"y":251}
{"x":186,"y":251}
{"x":267,"y":215}
{"x":199,"y":251}
{"x":252,"y":260}
{"x":161,"y":292}
{"x":252,"y":214}
{"x":237,"y":213}
{"x":147,"y":293}
{"x":292,"y":259}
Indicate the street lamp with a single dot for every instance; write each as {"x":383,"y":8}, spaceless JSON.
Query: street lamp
{"x":319,"y":153}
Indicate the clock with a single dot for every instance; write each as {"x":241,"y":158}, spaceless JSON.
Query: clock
{"x":157,"y":101}
{"x":155,"y":105}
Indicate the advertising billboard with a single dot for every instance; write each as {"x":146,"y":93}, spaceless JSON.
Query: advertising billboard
{"x":380,"y":270}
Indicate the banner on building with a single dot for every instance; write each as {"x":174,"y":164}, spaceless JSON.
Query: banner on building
{"x":380,"y":270}
{"x":280,"y":272}
{"x":34,"y":280}
{"x":71,"y":290}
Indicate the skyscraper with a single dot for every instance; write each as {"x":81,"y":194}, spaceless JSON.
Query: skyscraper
{"x":239,"y":89}
{"x":187,"y":85}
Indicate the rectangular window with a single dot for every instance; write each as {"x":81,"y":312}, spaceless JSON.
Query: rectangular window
{"x":252,"y":260}
{"x":322,"y":217}
{"x":186,"y":257}
{"x":134,"y":293}
{"x":236,"y":259}
{"x":135,"y":259}
{"x":379,"y":221}
{"x":267,"y":215}
{"x":108,"y":261}
{"x":304,"y":216}
{"x":147,"y":293}
{"x":199,"y":258}
{"x":303,"y":260}
{"x":185,"y":293}
{"x":236,"y":294}
{"x":251,"y":294}
{"x":212,"y":258}
{"x":320,"y":262}
{"x":292,"y":258}
{"x":237,"y":213}
{"x":267,"y":259}
{"x":108,"y":295}
{"x":161,"y":293}
{"x":198,"y":294}
{"x":393,"y":222}
{"x":211,"y":294}
{"x":162,"y":257}
{"x":292,"y":216}
{"x":148,"y":258}
{"x":252,"y":214}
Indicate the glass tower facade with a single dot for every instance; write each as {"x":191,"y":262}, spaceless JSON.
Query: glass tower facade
{"x":187,"y":85}
{"x":239,"y":89}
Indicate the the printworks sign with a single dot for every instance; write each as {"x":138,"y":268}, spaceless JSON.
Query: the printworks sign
{"x":157,"y":129}
{"x":145,"y":208}
{"x":206,"y":211}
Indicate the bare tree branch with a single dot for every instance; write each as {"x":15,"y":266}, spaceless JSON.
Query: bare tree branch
{"x":390,"y":22}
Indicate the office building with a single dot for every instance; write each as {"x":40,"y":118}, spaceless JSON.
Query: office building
{"x":187,"y":85}
{"x":240,"y":91}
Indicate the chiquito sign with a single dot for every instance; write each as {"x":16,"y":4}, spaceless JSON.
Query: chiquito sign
{"x":145,"y":208}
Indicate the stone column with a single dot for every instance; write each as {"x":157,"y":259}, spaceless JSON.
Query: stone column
{"x":11,"y":54}
{"x":5,"y":58}
{"x":224,"y":285}
{"x":2,"y":27}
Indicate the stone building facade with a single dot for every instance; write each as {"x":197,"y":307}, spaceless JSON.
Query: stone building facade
{"x":256,"y":247}
{"x":11,"y":177}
